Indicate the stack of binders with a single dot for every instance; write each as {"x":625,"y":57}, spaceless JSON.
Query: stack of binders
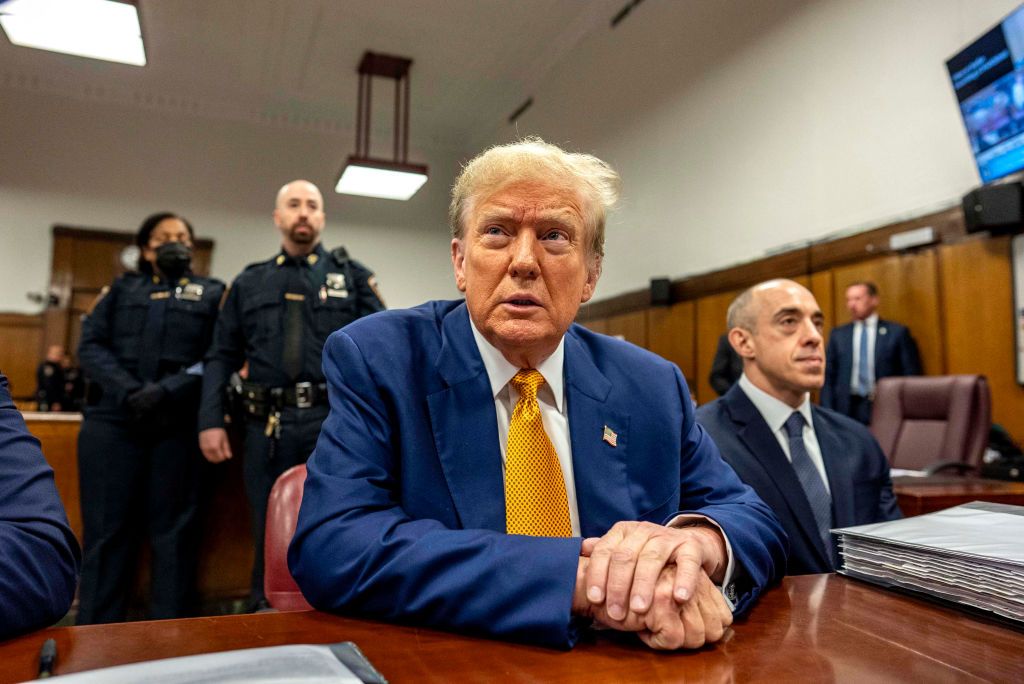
{"x":970,"y":555}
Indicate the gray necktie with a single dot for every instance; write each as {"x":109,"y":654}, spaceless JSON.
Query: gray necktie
{"x":863,"y":378}
{"x":810,"y":479}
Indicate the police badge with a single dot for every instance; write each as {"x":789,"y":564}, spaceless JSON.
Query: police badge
{"x":336,"y":286}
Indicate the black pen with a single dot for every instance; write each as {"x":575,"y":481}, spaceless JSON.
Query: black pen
{"x":47,"y":658}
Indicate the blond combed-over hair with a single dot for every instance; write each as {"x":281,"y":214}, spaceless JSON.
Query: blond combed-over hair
{"x":533,"y":160}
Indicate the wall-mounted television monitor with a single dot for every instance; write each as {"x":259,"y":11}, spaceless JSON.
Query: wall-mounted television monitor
{"x":988,"y":77}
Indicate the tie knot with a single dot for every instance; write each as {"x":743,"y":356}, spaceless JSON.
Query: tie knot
{"x":527,"y":382}
{"x":795,"y":425}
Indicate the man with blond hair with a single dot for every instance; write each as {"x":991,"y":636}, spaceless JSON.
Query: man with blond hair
{"x":276,"y":317}
{"x":491,"y":467}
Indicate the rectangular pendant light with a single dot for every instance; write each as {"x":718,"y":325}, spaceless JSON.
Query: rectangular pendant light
{"x":98,"y":29}
{"x":362,"y":174}
{"x":378,"y":178}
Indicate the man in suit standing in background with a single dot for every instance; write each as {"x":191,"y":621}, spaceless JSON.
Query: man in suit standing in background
{"x":864,"y":351}
{"x":815,"y":468}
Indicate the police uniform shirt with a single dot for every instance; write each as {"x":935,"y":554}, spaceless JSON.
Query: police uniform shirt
{"x":329,"y":289}
{"x":113,"y":335}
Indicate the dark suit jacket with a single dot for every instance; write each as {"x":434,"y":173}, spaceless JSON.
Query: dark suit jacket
{"x":895,"y":354}
{"x":38,"y":553}
{"x":403,"y":515}
{"x":858,"y":473}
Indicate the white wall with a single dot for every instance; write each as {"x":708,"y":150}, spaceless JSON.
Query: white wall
{"x":104,"y":165}
{"x":740,"y":127}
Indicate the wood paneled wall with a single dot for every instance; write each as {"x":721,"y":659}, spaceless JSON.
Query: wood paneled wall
{"x":956,"y":297}
{"x":21,"y":350}
{"x":671,"y":333}
{"x":978,"y":322}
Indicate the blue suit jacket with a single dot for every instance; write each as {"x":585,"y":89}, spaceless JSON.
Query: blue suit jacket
{"x":858,"y":473}
{"x":895,"y":354}
{"x":38,"y":553}
{"x":403,"y":515}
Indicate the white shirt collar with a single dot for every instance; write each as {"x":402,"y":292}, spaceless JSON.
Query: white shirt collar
{"x":500,"y":371}
{"x":871,"y":321}
{"x":774,"y":411}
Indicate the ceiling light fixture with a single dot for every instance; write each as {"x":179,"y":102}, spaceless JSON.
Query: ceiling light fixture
{"x":364,"y":175}
{"x":99,"y":29}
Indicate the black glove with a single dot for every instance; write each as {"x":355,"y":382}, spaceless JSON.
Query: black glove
{"x":143,"y":402}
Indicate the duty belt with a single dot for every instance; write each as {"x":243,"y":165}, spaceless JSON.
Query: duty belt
{"x":260,"y":401}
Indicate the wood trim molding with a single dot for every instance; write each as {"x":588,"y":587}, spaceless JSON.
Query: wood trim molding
{"x":83,"y":233}
{"x":10,"y":319}
{"x":802,"y":261}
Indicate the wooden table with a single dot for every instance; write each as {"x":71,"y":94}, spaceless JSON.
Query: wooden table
{"x":917,"y":495}
{"x":815,"y":628}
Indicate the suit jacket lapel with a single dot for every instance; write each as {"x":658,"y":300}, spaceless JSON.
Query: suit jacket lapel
{"x":753,"y":431}
{"x":599,"y":469}
{"x":840,"y":480}
{"x":465,"y":428}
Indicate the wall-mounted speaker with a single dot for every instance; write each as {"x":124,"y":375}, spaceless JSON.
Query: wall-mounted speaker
{"x":661,"y":291}
{"x":995,"y":208}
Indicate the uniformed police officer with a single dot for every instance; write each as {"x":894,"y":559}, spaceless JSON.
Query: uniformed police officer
{"x":141,"y":350}
{"x":277,"y":316}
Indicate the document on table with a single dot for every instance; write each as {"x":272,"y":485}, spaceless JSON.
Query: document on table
{"x":971,"y":554}
{"x":273,"y":665}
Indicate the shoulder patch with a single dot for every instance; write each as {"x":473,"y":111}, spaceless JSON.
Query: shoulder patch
{"x":372,"y":282}
{"x":99,"y":298}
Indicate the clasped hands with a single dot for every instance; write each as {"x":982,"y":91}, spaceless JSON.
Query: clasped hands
{"x":656,"y":581}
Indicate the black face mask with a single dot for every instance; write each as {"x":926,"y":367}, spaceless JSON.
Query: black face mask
{"x":173,"y":259}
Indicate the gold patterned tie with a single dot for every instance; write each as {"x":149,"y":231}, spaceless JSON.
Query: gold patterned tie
{"x":535,"y":500}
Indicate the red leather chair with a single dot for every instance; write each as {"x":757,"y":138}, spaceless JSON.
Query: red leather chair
{"x":282,"y":514}
{"x":933,"y":423}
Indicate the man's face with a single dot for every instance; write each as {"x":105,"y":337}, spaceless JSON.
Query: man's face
{"x":299,"y":214}
{"x":859,"y":302}
{"x":786,"y":347}
{"x":524,"y":264}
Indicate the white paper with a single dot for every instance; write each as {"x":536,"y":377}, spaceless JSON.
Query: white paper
{"x":273,"y":665}
{"x":971,"y":554}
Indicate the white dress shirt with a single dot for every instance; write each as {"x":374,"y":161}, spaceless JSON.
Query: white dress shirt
{"x":872,"y":323}
{"x":551,"y":399}
{"x":776,"y":412}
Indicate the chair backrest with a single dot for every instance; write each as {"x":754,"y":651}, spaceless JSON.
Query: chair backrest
{"x":282,"y":514}
{"x":920,"y":421}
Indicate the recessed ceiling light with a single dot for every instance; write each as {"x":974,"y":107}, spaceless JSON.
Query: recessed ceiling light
{"x":99,"y":29}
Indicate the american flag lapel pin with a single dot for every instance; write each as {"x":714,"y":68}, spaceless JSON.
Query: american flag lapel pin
{"x":610,"y":436}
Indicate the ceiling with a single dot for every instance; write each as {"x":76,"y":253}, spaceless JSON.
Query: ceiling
{"x":293,"y":63}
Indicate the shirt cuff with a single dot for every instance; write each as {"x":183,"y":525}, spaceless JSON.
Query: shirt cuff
{"x":728,"y":588}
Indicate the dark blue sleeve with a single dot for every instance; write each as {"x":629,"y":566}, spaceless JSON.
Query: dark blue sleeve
{"x":910,"y":359}
{"x":95,"y":351}
{"x":356,"y":549}
{"x":39,"y":555}
{"x":710,"y":487}
{"x":888,"y":504}
{"x":226,"y":355}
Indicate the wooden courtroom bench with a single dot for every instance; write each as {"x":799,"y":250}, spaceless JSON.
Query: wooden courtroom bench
{"x":226,"y":555}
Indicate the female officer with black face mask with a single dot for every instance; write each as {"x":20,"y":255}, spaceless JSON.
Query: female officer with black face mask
{"x":138,"y":457}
